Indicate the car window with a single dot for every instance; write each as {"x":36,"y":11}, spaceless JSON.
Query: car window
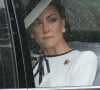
{"x":83,"y":32}
{"x":8,"y":75}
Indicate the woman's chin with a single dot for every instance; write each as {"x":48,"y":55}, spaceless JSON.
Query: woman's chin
{"x":48,"y":45}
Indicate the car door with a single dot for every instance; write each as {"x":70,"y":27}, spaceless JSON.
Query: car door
{"x":84,"y":31}
{"x":15,"y":62}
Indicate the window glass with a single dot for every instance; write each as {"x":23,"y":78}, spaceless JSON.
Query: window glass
{"x":7,"y":60}
{"x":83,"y":32}
{"x":83,"y":17}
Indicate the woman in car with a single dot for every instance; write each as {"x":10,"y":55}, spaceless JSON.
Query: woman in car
{"x":59,"y":64}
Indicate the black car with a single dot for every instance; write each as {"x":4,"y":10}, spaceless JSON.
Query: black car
{"x":17,"y":47}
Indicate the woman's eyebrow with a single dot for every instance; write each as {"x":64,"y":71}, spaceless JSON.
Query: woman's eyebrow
{"x":46,"y":17}
{"x":51,"y":15}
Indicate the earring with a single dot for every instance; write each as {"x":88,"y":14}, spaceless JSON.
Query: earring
{"x":63,"y":30}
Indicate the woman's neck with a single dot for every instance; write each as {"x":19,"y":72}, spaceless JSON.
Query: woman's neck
{"x":58,"y":49}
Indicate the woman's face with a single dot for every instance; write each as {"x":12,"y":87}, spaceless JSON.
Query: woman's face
{"x":47,"y":28}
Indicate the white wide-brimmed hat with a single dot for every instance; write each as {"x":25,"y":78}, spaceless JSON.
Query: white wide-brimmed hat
{"x":29,"y":19}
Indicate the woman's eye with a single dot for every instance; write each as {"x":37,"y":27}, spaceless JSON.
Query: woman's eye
{"x":37,"y":23}
{"x":52,"y":20}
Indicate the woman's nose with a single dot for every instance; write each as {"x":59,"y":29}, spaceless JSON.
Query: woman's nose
{"x":45,"y":28}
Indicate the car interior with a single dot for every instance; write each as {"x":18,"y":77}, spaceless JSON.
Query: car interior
{"x":83,"y":32}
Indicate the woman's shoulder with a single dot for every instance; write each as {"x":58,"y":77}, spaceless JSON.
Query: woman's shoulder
{"x":87,"y":61}
{"x":88,"y":54}
{"x":87,"y":57}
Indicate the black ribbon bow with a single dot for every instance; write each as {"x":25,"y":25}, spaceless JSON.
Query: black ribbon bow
{"x":40,"y":69}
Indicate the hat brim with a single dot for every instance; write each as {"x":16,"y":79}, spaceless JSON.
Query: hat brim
{"x":29,"y":19}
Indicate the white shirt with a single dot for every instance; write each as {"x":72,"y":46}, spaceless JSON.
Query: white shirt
{"x":70,"y":69}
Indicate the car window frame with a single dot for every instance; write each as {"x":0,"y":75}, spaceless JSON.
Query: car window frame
{"x":21,"y":52}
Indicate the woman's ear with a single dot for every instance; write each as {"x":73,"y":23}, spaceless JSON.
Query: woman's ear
{"x":63,"y":23}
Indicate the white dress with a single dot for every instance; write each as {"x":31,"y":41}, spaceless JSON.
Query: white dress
{"x":74,"y":68}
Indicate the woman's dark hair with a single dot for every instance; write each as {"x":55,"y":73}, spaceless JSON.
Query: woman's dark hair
{"x":59,"y":7}
{"x":61,"y":10}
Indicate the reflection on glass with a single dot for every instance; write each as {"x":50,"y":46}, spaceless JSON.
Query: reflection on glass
{"x":84,"y":26}
{"x":7,"y":69}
